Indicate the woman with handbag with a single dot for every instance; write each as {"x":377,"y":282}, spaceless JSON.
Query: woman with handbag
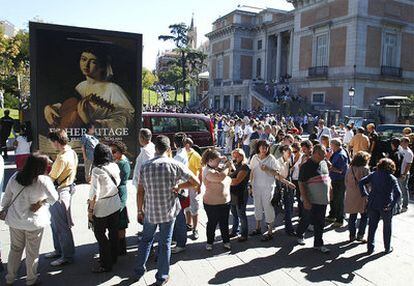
{"x":354,"y":203}
{"x":263,"y":174}
{"x":118,"y":152}
{"x":25,"y":208}
{"x":104,"y":206}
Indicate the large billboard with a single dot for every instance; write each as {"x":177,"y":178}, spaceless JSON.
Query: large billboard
{"x":81,"y":76}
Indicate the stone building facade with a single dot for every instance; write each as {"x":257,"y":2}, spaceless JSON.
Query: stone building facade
{"x":324,"y":47}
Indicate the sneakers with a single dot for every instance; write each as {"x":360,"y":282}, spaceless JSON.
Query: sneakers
{"x":300,"y":241}
{"x":209,"y":247}
{"x":177,"y":249}
{"x":195,"y":234}
{"x":52,"y":255}
{"x":189,"y":227}
{"x":60,"y":262}
{"x":227,"y":245}
{"x":403,"y":210}
{"x":323,"y":249}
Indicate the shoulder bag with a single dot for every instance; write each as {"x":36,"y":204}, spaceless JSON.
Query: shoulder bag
{"x":3,"y":212}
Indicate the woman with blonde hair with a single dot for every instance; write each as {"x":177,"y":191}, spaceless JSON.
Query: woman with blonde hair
{"x":239,"y":193}
{"x":354,"y":203}
{"x":216,"y":198}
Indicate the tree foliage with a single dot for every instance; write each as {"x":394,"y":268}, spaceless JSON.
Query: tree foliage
{"x":148,"y":78}
{"x":14,"y":64}
{"x":190,"y":61}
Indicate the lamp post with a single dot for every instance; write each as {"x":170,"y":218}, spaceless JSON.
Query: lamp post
{"x":351,"y":93}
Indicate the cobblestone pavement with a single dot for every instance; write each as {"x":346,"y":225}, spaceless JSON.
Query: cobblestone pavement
{"x":278,"y":262}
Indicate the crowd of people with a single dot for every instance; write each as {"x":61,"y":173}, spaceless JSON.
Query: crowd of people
{"x":266,"y":159}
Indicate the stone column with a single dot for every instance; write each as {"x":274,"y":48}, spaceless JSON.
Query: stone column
{"x":290,"y":52}
{"x":232,"y":102}
{"x":278,"y":55}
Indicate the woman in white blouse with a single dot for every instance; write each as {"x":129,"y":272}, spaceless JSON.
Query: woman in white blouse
{"x":263,"y":174}
{"x":28,"y":195}
{"x":104,"y":206}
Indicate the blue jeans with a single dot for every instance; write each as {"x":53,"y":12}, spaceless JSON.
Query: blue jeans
{"x":238,"y":211}
{"x":61,"y":224}
{"x":246,"y":149}
{"x":374,"y":218}
{"x":288,"y":199}
{"x":362,"y":224}
{"x":220,"y":139}
{"x":180,"y":229}
{"x":164,"y":249}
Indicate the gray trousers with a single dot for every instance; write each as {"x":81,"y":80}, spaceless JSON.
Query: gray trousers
{"x":61,"y":224}
{"x":20,"y":240}
{"x":403,"y":201}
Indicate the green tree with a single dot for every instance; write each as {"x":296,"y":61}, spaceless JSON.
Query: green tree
{"x":148,"y":78}
{"x":190,"y":61}
{"x":14,"y":64}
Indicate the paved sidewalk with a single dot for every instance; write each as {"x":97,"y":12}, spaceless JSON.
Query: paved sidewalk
{"x":278,"y":262}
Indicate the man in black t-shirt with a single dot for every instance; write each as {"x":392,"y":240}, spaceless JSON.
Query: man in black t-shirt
{"x":314,"y":185}
{"x":6,"y":125}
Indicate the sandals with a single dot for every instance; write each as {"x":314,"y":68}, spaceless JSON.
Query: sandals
{"x":256,"y":232}
{"x":267,"y":237}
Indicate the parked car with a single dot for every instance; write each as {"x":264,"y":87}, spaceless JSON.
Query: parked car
{"x":387,"y":131}
{"x":198,"y":127}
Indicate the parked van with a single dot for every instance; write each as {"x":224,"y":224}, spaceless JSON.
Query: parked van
{"x":198,"y":127}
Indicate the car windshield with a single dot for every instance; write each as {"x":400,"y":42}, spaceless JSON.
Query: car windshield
{"x":389,"y":131}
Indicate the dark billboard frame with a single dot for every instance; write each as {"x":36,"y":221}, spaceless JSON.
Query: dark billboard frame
{"x":35,"y":113}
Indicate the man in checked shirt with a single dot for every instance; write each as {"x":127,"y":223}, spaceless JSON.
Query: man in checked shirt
{"x":161,"y":178}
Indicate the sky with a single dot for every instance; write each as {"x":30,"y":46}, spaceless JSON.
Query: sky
{"x":150,"y":18}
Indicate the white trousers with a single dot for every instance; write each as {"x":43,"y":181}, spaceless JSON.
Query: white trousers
{"x":262,"y":203}
{"x":20,"y":240}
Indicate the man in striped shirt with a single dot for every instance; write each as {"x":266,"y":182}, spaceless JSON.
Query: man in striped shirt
{"x":314,"y":185}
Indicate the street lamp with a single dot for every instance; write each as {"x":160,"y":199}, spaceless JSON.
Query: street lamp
{"x":351,"y":93}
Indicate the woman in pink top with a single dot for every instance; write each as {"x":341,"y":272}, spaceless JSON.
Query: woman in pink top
{"x":217,"y":195}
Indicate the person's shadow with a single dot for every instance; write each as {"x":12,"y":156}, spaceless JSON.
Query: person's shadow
{"x":285,"y":258}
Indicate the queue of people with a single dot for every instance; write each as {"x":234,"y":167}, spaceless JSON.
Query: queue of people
{"x":265,"y":161}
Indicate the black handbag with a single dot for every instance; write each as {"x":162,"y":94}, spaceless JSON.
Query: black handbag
{"x":277,"y":200}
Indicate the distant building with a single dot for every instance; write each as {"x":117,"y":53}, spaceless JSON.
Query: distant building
{"x":8,"y":28}
{"x":316,"y":51}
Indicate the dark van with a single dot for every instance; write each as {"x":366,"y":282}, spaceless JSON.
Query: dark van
{"x":198,"y":127}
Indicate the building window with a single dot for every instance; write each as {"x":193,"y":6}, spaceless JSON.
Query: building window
{"x":220,"y":68}
{"x":390,"y":50}
{"x":237,"y":103}
{"x":321,"y":50}
{"x":318,"y":98}
{"x":259,"y":44}
{"x":216,"y":102}
{"x":258,"y":68}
